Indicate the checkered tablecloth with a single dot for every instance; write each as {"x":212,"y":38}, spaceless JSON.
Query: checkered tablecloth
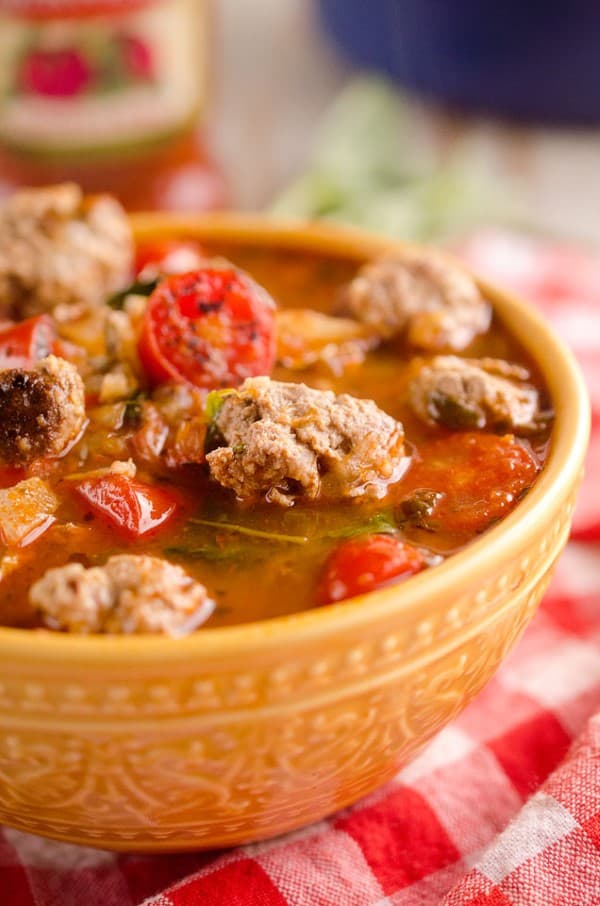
{"x":502,"y":809}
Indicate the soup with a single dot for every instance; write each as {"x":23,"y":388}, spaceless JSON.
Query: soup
{"x":239,"y":432}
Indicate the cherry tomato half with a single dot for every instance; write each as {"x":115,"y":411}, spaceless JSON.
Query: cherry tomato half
{"x":212,"y":328}
{"x":134,"y":509}
{"x":21,"y":345}
{"x":364,"y":564}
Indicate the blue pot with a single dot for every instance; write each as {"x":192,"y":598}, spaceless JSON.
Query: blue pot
{"x":522,"y":58}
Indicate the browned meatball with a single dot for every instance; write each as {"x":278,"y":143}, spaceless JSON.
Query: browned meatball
{"x":131,"y":593}
{"x":467,"y":394}
{"x":421,"y":296}
{"x":43,"y":410}
{"x":58,"y":248}
{"x":286,"y":441}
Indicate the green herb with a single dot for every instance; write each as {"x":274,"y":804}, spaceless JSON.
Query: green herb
{"x":214,"y":402}
{"x":200,"y":539}
{"x":454,"y":413}
{"x":251,"y":532}
{"x":133,"y":409}
{"x":418,"y":507}
{"x":214,"y":553}
{"x":212,"y":407}
{"x":137,"y":288}
{"x":378,"y":524}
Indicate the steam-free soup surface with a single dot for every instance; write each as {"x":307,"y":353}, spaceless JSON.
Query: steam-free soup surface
{"x":257,"y":559}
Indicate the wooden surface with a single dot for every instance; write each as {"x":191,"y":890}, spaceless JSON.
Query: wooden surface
{"x":276,"y":74}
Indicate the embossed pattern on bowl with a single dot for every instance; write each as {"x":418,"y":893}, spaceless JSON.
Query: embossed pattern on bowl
{"x":241,"y":733}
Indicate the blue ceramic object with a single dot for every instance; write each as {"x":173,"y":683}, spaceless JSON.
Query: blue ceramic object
{"x":521,"y":58}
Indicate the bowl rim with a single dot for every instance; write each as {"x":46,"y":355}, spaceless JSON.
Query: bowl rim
{"x":568,"y":445}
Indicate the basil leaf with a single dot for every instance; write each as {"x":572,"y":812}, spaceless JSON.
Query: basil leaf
{"x":137,"y":288}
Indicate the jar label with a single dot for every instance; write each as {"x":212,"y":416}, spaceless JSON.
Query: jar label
{"x":109,"y":73}
{"x":44,"y":9}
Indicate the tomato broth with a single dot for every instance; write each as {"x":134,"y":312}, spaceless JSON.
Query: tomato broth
{"x":257,"y":559}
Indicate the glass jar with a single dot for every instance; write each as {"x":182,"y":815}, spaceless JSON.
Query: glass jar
{"x":109,"y":93}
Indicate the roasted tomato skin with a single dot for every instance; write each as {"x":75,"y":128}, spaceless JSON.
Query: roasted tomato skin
{"x":135,"y":510}
{"x":212,"y":328}
{"x":364,"y":564}
{"x":24,"y":344}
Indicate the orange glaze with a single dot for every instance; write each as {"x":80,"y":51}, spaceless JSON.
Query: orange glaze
{"x":245,"y":574}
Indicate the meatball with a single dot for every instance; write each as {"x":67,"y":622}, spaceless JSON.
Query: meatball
{"x":286,"y":441}
{"x":467,"y":394}
{"x":131,"y":593}
{"x":58,"y":248}
{"x":423,"y":297}
{"x":43,"y":410}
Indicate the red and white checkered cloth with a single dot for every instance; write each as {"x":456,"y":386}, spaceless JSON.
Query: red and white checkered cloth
{"x":502,"y":809}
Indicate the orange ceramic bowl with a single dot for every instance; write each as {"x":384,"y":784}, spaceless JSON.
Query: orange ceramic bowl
{"x":240,"y":733}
